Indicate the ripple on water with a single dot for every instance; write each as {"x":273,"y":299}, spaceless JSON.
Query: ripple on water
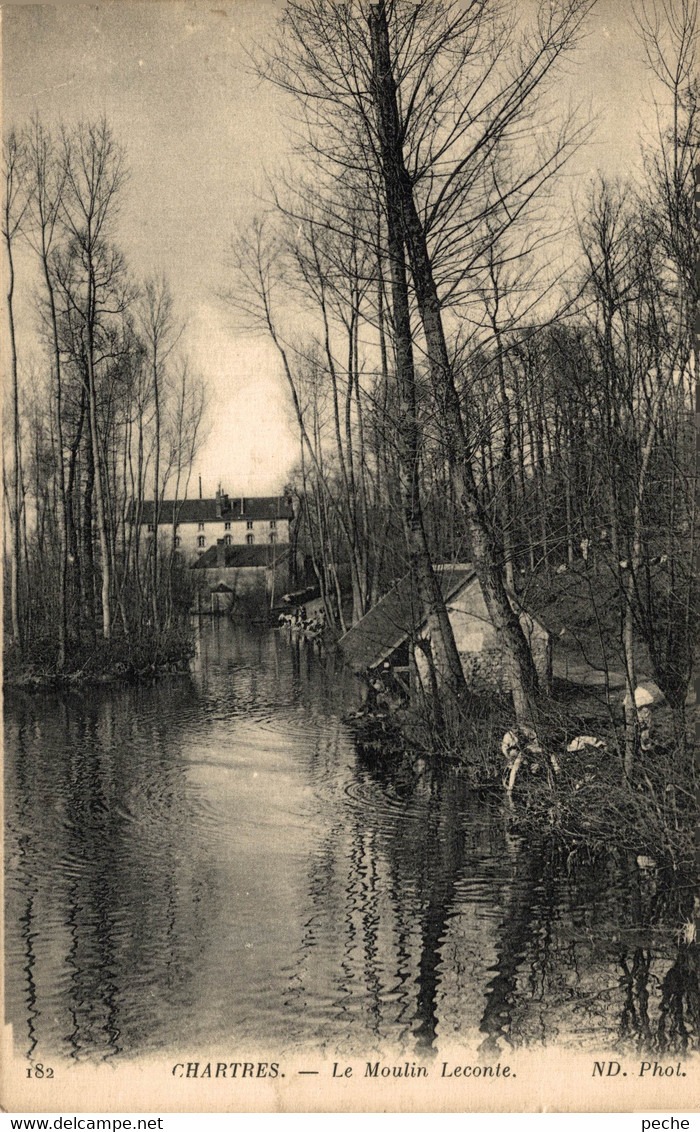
{"x":211,"y":861}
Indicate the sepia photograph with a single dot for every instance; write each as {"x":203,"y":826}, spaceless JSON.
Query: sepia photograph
{"x":349,"y":556}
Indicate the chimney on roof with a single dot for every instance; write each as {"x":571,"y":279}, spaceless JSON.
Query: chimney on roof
{"x":218,"y":501}
{"x":242,"y":506}
{"x":220,"y":552}
{"x":200,"y":487}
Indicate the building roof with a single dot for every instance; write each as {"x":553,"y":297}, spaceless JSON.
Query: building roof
{"x":206,"y":510}
{"x":396,"y":617}
{"x":239,"y":557}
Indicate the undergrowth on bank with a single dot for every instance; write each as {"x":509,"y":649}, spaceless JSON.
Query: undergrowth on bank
{"x":590,"y":811}
{"x":132,"y":657}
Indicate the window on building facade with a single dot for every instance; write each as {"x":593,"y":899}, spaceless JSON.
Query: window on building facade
{"x":200,"y":540}
{"x":273,"y":536}
{"x":273,"y":524}
{"x":227,"y":526}
{"x":250,"y":539}
{"x":200,"y":526}
{"x":178,"y":540}
{"x":249,"y":524}
{"x":227,"y":540}
{"x":151,"y":528}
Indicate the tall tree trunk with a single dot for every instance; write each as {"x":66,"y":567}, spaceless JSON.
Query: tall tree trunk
{"x":504,"y":490}
{"x":99,"y":492}
{"x":16,"y":505}
{"x":444,"y":650}
{"x":63,"y":503}
{"x":72,"y":524}
{"x":523,"y":677}
{"x":96,"y":454}
{"x":629,"y":585}
{"x":156,"y":482}
{"x":87,"y":559}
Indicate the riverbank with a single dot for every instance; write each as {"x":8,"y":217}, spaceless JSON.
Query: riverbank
{"x":136,"y":657}
{"x":574,"y":793}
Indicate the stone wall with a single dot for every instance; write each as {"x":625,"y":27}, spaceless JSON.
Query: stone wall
{"x":479,"y":648}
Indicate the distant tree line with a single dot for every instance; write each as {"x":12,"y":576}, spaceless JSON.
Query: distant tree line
{"x":103,"y":408}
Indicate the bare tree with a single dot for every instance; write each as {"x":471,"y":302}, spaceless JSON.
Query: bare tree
{"x":185,"y":435}
{"x":669,"y":33}
{"x":259,"y":269}
{"x":95,"y":172}
{"x":395,"y":172}
{"x":448,"y":662}
{"x":435,"y":105}
{"x":160,"y":335}
{"x":15,"y":204}
{"x":48,"y":174}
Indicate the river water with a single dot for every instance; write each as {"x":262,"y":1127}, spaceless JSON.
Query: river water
{"x":208,"y":862}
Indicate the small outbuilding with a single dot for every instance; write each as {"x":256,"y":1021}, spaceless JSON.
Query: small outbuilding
{"x":228,"y":574}
{"x":391,"y":630}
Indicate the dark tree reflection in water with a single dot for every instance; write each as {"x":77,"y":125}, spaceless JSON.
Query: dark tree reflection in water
{"x":675,"y":1025}
{"x":213,"y":862}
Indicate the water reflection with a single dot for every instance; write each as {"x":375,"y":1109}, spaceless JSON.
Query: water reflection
{"x":211,"y":863}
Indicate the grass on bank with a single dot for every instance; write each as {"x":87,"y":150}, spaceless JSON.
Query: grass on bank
{"x":98,"y":660}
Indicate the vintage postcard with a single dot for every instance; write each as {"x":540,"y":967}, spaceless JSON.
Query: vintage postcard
{"x":349,"y":556}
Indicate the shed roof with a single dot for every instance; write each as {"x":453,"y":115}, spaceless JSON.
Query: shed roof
{"x":239,"y":557}
{"x":396,"y":617}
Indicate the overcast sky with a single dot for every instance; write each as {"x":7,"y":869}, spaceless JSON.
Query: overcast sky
{"x":174,"y":82}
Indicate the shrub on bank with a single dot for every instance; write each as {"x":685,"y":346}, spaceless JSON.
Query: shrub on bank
{"x":593,"y":810}
{"x":590,"y":811}
{"x":141,"y":654}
